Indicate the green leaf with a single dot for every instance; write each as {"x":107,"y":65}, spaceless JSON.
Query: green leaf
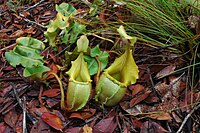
{"x":30,"y":42}
{"x":16,"y":59}
{"x":76,"y":30}
{"x":82,"y":44}
{"x":51,"y":37}
{"x":65,"y":37}
{"x":60,"y":22}
{"x":92,"y":62}
{"x":35,"y":72}
{"x":99,"y":2}
{"x":95,"y":51}
{"x":27,"y":54}
{"x":66,"y":9}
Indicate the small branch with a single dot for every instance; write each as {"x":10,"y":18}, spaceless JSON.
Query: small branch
{"x":24,"y":115}
{"x":34,"y":5}
{"x":32,"y":22}
{"x":187,"y":117}
{"x":8,"y":47}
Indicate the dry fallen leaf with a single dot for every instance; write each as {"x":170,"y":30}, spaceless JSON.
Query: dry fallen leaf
{"x":40,"y":127}
{"x":139,"y":93}
{"x":165,"y":71}
{"x":51,"y":92}
{"x":105,"y":126}
{"x":152,"y":127}
{"x":2,"y":127}
{"x":160,"y":116}
{"x":11,"y":118}
{"x":87,"y":129}
{"x":53,"y":120}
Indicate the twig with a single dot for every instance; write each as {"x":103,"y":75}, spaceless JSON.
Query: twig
{"x":187,"y":117}
{"x":24,"y":115}
{"x":34,"y":5}
{"x":32,"y":119}
{"x":5,"y":48}
{"x":9,"y":109}
{"x":153,"y":85}
{"x":32,"y":22}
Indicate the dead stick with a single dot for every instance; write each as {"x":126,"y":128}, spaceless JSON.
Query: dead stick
{"x":34,"y":5}
{"x":187,"y":117}
{"x":33,"y":22}
{"x":24,"y":115}
{"x":10,"y":46}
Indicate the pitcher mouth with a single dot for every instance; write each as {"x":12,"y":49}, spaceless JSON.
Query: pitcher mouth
{"x":114,"y":80}
{"x":79,"y":82}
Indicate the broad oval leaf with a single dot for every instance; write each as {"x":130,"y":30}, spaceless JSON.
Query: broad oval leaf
{"x":66,"y":9}
{"x":35,"y":72}
{"x":95,"y":51}
{"x":30,"y":42}
{"x":27,"y":54}
{"x":16,"y":59}
{"x":92,"y":62}
{"x":77,"y":29}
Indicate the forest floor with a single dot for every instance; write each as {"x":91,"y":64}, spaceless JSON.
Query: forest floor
{"x":162,"y":100}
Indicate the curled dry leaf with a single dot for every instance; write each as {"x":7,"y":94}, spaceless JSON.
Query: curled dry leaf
{"x":40,"y":127}
{"x":53,"y":120}
{"x":11,"y":118}
{"x":73,"y":130}
{"x":139,"y":94}
{"x":160,"y":116}
{"x":2,"y":127}
{"x":152,"y":127}
{"x":165,"y":71}
{"x":135,"y":110}
{"x":105,"y":126}
{"x":87,"y":113}
{"x":76,"y":115}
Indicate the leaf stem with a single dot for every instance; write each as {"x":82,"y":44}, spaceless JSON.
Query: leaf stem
{"x":62,"y":103}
